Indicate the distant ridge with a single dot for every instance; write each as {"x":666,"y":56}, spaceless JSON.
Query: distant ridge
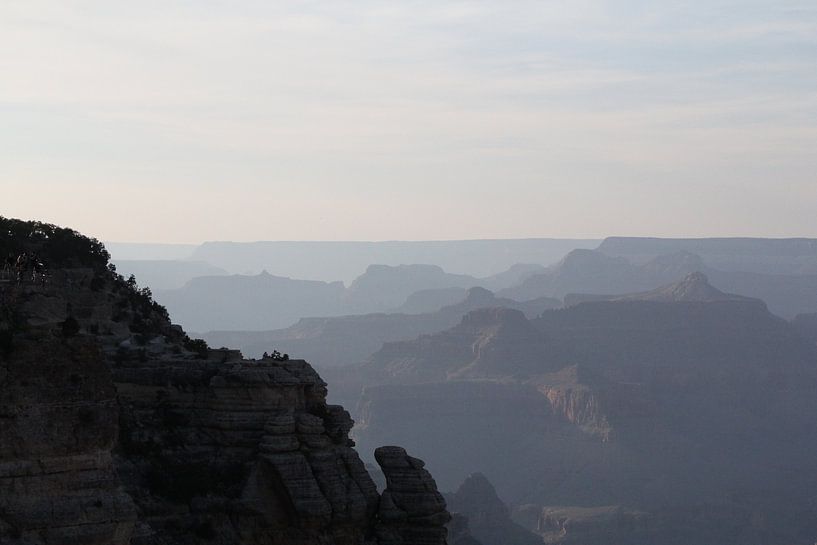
{"x":345,"y":260}
{"x":591,"y":271}
{"x":343,"y":340}
{"x":779,"y":245}
{"x":695,"y":287}
{"x":759,"y":255}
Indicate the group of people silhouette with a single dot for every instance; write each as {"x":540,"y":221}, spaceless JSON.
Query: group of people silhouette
{"x":23,"y":267}
{"x":277,"y":356}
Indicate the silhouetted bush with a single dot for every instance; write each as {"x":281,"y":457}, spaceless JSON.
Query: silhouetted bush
{"x":276,"y":355}
{"x":97,"y":283}
{"x":199,"y":346}
{"x":56,"y":246}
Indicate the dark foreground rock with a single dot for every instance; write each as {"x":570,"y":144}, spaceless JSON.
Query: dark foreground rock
{"x":117,"y":429}
{"x":411,"y":509}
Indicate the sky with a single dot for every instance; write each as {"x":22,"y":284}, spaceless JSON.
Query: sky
{"x":186,"y":121}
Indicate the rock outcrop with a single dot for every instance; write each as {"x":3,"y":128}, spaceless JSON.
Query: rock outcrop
{"x":489,"y":519}
{"x":594,"y":272}
{"x":262,"y":301}
{"x":58,"y":427}
{"x":351,"y":339}
{"x":253,"y":442}
{"x":480,"y":346}
{"x":117,"y":429}
{"x":590,"y":271}
{"x":694,"y":287}
{"x":581,"y":525}
{"x":757,"y":255}
{"x":411,"y":509}
{"x":458,"y":531}
{"x":806,"y":324}
{"x":681,"y":405}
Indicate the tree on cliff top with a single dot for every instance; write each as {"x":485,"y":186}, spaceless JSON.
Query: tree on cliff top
{"x":61,"y":247}
{"x":56,"y":246}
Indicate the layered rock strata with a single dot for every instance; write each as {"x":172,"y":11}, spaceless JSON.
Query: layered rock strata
{"x":411,"y":509}
{"x":117,"y":429}
{"x":245,"y":451}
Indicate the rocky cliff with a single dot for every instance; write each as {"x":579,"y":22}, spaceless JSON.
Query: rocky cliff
{"x":116,"y":428}
{"x":347,"y":340}
{"x":595,"y":272}
{"x":488,"y":517}
{"x":759,"y":255}
{"x":678,"y":415}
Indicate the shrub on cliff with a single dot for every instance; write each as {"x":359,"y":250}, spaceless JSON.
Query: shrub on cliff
{"x":56,"y":246}
{"x":199,"y":346}
{"x":60,"y":247}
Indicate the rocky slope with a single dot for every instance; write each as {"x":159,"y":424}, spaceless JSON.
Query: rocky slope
{"x":786,"y":256}
{"x":430,"y":300}
{"x":580,"y":525}
{"x":345,"y":340}
{"x":585,"y":274}
{"x":383,"y":287}
{"x":806,"y":324}
{"x":261,"y":301}
{"x":591,"y":271}
{"x":264,"y":301}
{"x":480,"y":346}
{"x":163,"y":274}
{"x":115,"y":428}
{"x":687,"y":413}
{"x":694,"y":287}
{"x":488,"y":517}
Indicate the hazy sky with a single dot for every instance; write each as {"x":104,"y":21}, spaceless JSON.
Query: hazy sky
{"x":199,"y":120}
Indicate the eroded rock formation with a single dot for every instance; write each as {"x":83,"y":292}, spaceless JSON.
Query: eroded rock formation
{"x":411,"y":509}
{"x":117,"y":429}
{"x":488,"y":517}
{"x":681,"y":405}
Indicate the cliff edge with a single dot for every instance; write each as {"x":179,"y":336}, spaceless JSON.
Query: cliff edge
{"x":116,"y":428}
